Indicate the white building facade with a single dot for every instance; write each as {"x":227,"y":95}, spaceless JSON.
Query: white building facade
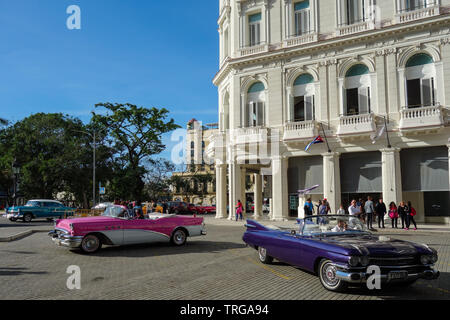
{"x":291,"y":70}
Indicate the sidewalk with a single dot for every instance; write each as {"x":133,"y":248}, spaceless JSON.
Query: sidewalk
{"x":291,"y":223}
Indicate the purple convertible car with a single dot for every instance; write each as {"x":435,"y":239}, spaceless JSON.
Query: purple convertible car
{"x":340,"y":250}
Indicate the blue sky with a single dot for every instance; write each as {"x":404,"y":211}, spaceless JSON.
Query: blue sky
{"x":152,"y":53}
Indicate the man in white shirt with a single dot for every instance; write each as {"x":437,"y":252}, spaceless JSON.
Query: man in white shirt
{"x":353,"y":210}
{"x":340,"y":227}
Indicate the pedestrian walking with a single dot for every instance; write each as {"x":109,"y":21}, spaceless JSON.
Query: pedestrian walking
{"x":380,"y":209}
{"x":239,"y":210}
{"x":308,"y":208}
{"x":411,"y":213}
{"x":369,"y":210}
{"x":402,"y":212}
{"x":324,"y":207}
{"x":393,"y":214}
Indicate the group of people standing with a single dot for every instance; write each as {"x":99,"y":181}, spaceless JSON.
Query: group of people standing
{"x":367,"y":211}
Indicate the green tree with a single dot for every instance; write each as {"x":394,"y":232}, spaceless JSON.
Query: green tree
{"x":54,"y":156}
{"x":136,"y":133}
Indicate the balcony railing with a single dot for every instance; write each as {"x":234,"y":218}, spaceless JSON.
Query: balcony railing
{"x":356,"y":124}
{"x":300,"y":130}
{"x":357,"y":27}
{"x":262,"y":47}
{"x":300,"y":39}
{"x":417,"y":13}
{"x":421,"y":117}
{"x":249,"y":135}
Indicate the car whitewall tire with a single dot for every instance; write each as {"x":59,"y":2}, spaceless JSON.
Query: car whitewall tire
{"x":263,"y":257}
{"x":328,"y":278}
{"x":179,"y":237}
{"x":91,"y":243}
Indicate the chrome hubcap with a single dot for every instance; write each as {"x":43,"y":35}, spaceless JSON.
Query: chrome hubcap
{"x":262,"y":253}
{"x":90,"y":244}
{"x":179,"y":237}
{"x":329,"y":275}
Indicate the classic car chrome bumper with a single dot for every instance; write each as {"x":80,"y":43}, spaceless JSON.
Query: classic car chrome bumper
{"x":65,"y":239}
{"x":361,"y":277}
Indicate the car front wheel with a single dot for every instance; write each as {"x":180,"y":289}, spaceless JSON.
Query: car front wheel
{"x":328,"y":277}
{"x":263,"y":256}
{"x":27,"y":217}
{"x":91,"y":243}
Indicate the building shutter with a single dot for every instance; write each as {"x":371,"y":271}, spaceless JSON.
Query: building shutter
{"x":425,"y":169}
{"x":427,"y":90}
{"x":363,"y":100}
{"x":361,"y":172}
{"x":309,"y":105}
{"x":305,"y":172}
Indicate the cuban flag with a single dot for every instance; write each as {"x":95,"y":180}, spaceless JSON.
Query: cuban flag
{"x":317,"y":139}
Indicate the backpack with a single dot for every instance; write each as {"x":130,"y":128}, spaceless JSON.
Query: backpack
{"x":413,"y":212}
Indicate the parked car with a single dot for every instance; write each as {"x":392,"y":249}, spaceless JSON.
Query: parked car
{"x":39,"y":209}
{"x":117,"y":227}
{"x":209,"y":209}
{"x":339,"y":249}
{"x":102,"y":206}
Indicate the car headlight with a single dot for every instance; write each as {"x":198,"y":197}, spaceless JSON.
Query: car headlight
{"x":365,"y":260}
{"x":434,"y":258}
{"x":426,"y":259}
{"x":354,"y":261}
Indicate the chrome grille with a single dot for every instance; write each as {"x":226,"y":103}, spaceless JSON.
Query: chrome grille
{"x":399,"y":261}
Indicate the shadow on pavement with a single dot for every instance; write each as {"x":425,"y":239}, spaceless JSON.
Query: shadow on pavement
{"x":4,"y":271}
{"x":163,"y":249}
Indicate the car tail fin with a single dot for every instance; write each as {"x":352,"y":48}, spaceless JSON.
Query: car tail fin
{"x":253,"y":225}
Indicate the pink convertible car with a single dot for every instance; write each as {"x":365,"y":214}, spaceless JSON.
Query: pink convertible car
{"x":116,"y":227}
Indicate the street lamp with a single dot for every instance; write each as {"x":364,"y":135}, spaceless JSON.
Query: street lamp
{"x":94,"y":139}
{"x":16,"y":172}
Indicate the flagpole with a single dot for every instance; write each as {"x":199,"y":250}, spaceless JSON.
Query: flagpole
{"x":326,"y":139}
{"x":387,"y":133}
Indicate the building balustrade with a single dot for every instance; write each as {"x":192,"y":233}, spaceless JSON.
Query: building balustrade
{"x":300,"y":39}
{"x":356,"y":124}
{"x":406,"y":16}
{"x":263,"y":47}
{"x":300,"y":130}
{"x":344,"y":30}
{"x":421,"y":117}
{"x":249,"y":135}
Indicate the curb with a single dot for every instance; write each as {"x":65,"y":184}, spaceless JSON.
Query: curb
{"x":20,"y":235}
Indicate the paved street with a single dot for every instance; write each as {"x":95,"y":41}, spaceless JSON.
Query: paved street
{"x":217,"y":266}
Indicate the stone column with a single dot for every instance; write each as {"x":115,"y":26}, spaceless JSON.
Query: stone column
{"x":448,"y":145}
{"x":391,"y":176}
{"x":332,"y":180}
{"x":234,"y":179}
{"x":258,"y":196}
{"x":221,"y":191}
{"x":280,"y":200}
{"x":242,"y":194}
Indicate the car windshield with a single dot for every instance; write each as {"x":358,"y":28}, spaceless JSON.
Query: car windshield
{"x":116,"y":212}
{"x":33,"y":204}
{"x":332,"y":225}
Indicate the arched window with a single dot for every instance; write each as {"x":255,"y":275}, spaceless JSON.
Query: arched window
{"x":357,"y":90}
{"x":254,"y":111}
{"x":304,"y":91}
{"x":420,"y":87}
